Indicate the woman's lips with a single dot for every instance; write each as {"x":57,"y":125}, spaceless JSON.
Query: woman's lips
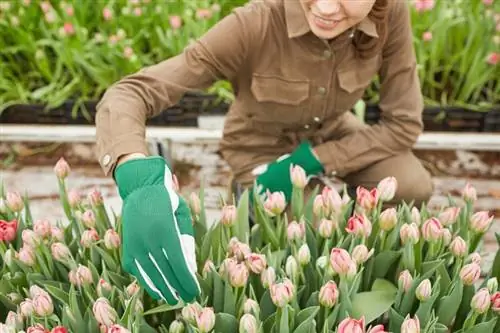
{"x":323,"y":23}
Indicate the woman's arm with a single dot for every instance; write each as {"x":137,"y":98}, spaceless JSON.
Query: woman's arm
{"x":124,"y":108}
{"x":401,"y":104}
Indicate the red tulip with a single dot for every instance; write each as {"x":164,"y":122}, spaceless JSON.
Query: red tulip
{"x":8,"y":230}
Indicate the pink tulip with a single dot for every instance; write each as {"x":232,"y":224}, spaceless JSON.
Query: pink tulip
{"x":60,"y":252}
{"x":14,"y":201}
{"x":208,"y":267}
{"x":132,"y":289}
{"x":275,"y":203}
{"x":42,"y":305}
{"x":488,"y":2}
{"x":470,"y":273}
{"x":8,"y":230}
{"x":175,"y":21}
{"x":458,"y":247}
{"x":415,"y":216}
{"x":251,"y":306}
{"x":229,"y":215}
{"x":328,"y":294}
{"x":360,"y":254}
{"x":282,"y":293}
{"x":424,"y":5}
{"x":62,"y":168}
{"x":319,"y":207}
{"x":495,"y":302}
{"x":351,"y":325}
{"x":107,"y":14}
{"x":80,"y":276}
{"x":410,"y":325}
{"x":30,"y":238}
{"x":69,"y":29}
{"x":26,"y":308}
{"x":332,"y":200}
{"x":377,"y":329}
{"x":248,"y":324}
{"x":57,"y":234}
{"x":427,"y":36}
{"x":326,"y":228}
{"x":256,"y":262}
{"x":59,"y":329}
{"x":387,"y":188}
{"x":469,"y":193}
{"x":88,"y":219}
{"x":176,"y":326}
{"x":238,"y":249}
{"x":103,"y":287}
{"x":481,"y":301}
{"x":493,"y":58}
{"x":340,"y":261}
{"x":26,"y":255}
{"x":405,"y":280}
{"x":296,"y":231}
{"x":388,"y":219}
{"x":206,"y":320}
{"x":42,"y":228}
{"x":203,"y":13}
{"x":359,"y":225}
{"x":104,"y":312}
{"x":449,"y":216}
{"x":227,"y":265}
{"x":431,"y":230}
{"x":424,"y":290}
{"x":268,"y":277}
{"x":304,"y":255}
{"x":13,"y":319}
{"x":112,"y":239}
{"x":480,"y":222}
{"x":89,"y":236}
{"x":298,"y":176}
{"x":291,"y":267}
{"x":475,"y":258}
{"x":95,"y":198}
{"x":38,"y":328}
{"x":366,"y":199}
{"x":117,"y":329}
{"x":190,"y":312}
{"x":238,"y":275}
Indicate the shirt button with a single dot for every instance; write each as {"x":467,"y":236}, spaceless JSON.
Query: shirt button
{"x":327,"y":54}
{"x":106,"y":159}
{"x":321,"y":90}
{"x":306,"y":126}
{"x":316,"y":119}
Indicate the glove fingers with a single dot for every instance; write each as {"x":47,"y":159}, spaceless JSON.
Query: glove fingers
{"x":153,"y":279}
{"x":184,"y":221}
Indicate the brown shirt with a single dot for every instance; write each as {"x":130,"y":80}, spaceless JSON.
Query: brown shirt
{"x":289,"y":85}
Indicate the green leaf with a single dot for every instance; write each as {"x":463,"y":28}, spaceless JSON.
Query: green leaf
{"x":164,"y":308}
{"x":225,"y":323}
{"x":384,"y":285}
{"x":383,"y":262}
{"x":61,"y":295}
{"x":449,"y":305}
{"x":110,"y":262}
{"x":305,"y":327}
{"x":229,"y":300}
{"x":218,"y":296}
{"x":307,"y":314}
{"x":118,"y":280}
{"x":241,"y":228}
{"x":484,"y":327}
{"x":267,"y":306}
{"x":372,"y":304}
{"x":8,"y":303}
{"x":284,"y":326}
{"x":495,"y":270}
{"x":395,"y":321}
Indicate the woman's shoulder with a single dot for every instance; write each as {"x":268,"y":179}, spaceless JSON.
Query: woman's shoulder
{"x":263,"y":10}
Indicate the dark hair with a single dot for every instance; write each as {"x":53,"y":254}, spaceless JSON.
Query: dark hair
{"x":367,"y":46}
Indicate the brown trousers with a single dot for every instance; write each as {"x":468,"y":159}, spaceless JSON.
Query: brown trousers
{"x":414,"y":181}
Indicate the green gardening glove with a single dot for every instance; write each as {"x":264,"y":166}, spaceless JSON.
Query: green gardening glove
{"x":276,"y":175}
{"x":158,"y":242}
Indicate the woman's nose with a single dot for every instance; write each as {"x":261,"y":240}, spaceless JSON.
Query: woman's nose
{"x":328,"y":7}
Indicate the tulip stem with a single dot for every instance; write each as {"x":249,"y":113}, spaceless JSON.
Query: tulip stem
{"x":471,"y":320}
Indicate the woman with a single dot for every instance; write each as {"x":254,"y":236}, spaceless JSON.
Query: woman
{"x":297,"y":67}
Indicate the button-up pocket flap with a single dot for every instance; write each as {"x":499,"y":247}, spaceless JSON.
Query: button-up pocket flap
{"x":352,"y":80}
{"x":279,"y":90}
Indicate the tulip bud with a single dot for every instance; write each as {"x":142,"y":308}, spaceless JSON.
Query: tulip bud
{"x":409,"y":234}
{"x":206,"y":320}
{"x":74,"y":198}
{"x":14,"y":201}
{"x":26,"y":255}
{"x":256,"y":262}
{"x":291,"y":267}
{"x":227,"y":265}
{"x":95,"y":198}
{"x":431,"y":230}
{"x":59,"y":329}
{"x":275,"y":203}
{"x":387,"y":188}
{"x":268,"y":277}
{"x":325,"y":228}
{"x":458,"y":247}
{"x":176,"y":327}
{"x":42,"y":228}
{"x":492,"y":285}
{"x":80,"y":276}
{"x":9,"y":256}
{"x":251,"y":306}
{"x":480,"y":222}
{"x":470,"y":273}
{"x":367,"y":200}
{"x":62,"y":168}
{"x":88,"y":219}
{"x":328,"y":294}
{"x":238,"y":275}
{"x":481,"y":301}
{"x":229,"y":215}
{"x":410,"y":325}
{"x":115,"y":328}
{"x":195,"y":204}
{"x":424,"y":290}
{"x":296,"y":231}
{"x":475,"y":258}
{"x":60,"y":252}
{"x":103,"y":288}
{"x":238,"y":249}
{"x":359,"y":225}
{"x":38,"y":328}
{"x":6,"y":329}
{"x":360,"y":254}
{"x":282,"y":293}
{"x":415,"y":216}
{"x":30,"y":238}
{"x":89,"y":236}
{"x":248,"y":324}
{"x":388,"y":219}
{"x":469,"y":193}
{"x":449,"y":216}
{"x":36,"y":290}
{"x":332,"y":200}
{"x":495,"y":302}
{"x":405,"y":280}
{"x":377,"y":329}
{"x":319,"y":207}
{"x":190,"y":312}
{"x":132,"y":289}
{"x":104,"y":312}
{"x":13,"y":319}
{"x":26,"y":308}
{"x":304,"y":255}
{"x":340,"y":261}
{"x":111,"y":239}
{"x":208,"y":267}
{"x":298,"y":176}
{"x":351,"y":325}
{"x":42,"y":305}
{"x":57,"y":234}
{"x":446,"y":236}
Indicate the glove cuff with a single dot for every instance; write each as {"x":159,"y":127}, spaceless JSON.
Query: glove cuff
{"x":140,"y":172}
{"x":304,"y":157}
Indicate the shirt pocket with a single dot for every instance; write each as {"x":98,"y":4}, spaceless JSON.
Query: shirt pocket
{"x":279,"y":99}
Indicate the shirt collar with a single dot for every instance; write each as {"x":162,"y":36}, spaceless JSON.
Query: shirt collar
{"x":297,"y":24}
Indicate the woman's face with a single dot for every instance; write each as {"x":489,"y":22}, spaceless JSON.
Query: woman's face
{"x":329,"y":18}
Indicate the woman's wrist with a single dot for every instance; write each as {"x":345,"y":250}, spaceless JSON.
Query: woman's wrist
{"x":128,"y":157}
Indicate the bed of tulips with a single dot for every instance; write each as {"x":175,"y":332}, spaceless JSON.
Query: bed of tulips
{"x":327,"y":264}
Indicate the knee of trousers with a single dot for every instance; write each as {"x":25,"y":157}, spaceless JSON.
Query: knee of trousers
{"x":417,"y":190}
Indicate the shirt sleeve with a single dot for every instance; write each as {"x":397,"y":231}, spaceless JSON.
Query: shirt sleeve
{"x":401,"y":105}
{"x":124,"y":108}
